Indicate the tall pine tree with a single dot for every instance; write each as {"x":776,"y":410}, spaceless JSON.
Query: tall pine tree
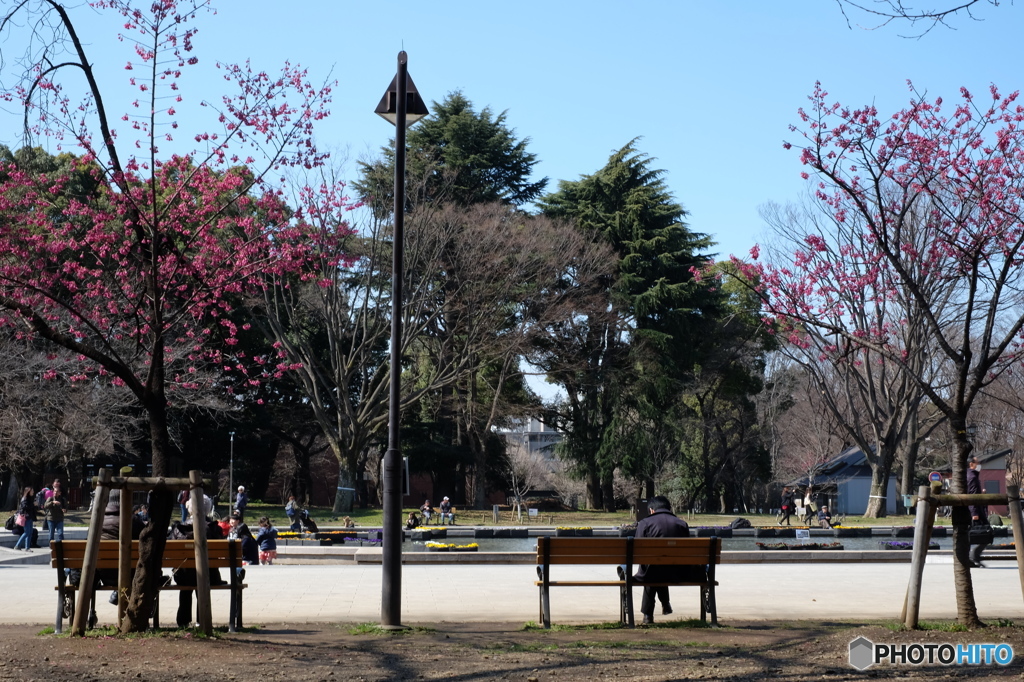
{"x":635,"y":355}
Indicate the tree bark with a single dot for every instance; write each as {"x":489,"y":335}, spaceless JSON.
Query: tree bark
{"x":151,"y":551}
{"x":877,"y":497}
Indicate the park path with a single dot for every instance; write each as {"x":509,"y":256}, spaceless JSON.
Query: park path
{"x":505,"y":593}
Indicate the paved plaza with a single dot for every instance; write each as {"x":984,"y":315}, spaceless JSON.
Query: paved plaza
{"x":436,"y":593}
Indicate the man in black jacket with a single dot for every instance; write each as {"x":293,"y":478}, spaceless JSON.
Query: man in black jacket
{"x":979,"y":512}
{"x":662,"y":523}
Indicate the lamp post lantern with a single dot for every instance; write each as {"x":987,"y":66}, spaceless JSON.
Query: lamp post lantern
{"x":401,"y":106}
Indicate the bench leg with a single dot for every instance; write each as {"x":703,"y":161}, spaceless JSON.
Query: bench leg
{"x":232,"y":608}
{"x":625,"y":606}
{"x":58,"y":626}
{"x":712,"y":606}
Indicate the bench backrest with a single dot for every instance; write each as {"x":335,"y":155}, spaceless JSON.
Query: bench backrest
{"x":177,"y":554}
{"x":651,"y":551}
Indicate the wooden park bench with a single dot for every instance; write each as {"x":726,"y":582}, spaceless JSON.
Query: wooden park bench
{"x":627,"y":552}
{"x":70,"y":554}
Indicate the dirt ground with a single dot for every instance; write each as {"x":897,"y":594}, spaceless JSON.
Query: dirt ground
{"x":739,"y":651}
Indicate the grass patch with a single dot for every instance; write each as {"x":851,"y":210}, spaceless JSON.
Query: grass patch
{"x":46,"y":631}
{"x":377,"y":629}
{"x":518,"y":647}
{"x":514,"y":647}
{"x":532,"y":626}
{"x":693,"y":623}
{"x":942,"y":626}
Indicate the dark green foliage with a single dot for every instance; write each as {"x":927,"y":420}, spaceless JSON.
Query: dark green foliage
{"x":624,"y":370}
{"x":456,"y":155}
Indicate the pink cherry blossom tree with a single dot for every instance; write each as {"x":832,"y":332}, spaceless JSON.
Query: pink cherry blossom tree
{"x":137,"y":276}
{"x":934,"y":196}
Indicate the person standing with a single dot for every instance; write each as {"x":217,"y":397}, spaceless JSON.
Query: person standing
{"x":241,"y":502}
{"x":787,"y":506}
{"x":55,"y":508}
{"x":294,"y":512}
{"x":27,"y":512}
{"x":979,"y":512}
{"x":183,"y":497}
{"x":266,"y":538}
{"x":662,"y":523}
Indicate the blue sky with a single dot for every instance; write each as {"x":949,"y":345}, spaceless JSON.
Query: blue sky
{"x":710,"y":86}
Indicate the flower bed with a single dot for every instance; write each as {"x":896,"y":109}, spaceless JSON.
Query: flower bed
{"x":511,"y":533}
{"x":336,"y":536}
{"x":813,"y":546}
{"x":903,"y":532}
{"x":901,"y":545}
{"x":940,"y":531}
{"x":775,"y":531}
{"x":483,"y":533}
{"x":713,"y":531}
{"x":574,"y":532}
{"x":850,"y":532}
{"x":448,"y":547}
{"x":1011,"y":545}
{"x":627,"y":530}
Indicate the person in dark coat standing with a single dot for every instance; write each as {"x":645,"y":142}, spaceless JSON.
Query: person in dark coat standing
{"x":979,"y":512}
{"x":787,"y":506}
{"x":241,"y":502}
{"x":662,"y":523}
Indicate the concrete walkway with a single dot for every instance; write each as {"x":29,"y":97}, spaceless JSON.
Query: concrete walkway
{"x":432,"y":594}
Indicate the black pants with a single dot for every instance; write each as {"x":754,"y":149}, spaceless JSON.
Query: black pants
{"x":188,"y":577}
{"x":647,"y":605}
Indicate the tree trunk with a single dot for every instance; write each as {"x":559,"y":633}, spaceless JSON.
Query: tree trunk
{"x":966,"y":608}
{"x":148,"y":572}
{"x":151,"y":551}
{"x":877,"y":496}
{"x":594,"y":499}
{"x":344,"y":500}
{"x":608,"y":492}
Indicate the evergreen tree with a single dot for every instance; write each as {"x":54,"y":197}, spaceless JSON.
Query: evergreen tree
{"x":456,"y":155}
{"x":644,"y":346}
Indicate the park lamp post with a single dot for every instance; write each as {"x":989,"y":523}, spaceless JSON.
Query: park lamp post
{"x":231,"y":473}
{"x":401,"y":106}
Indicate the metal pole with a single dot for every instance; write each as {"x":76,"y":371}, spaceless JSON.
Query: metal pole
{"x":231,"y":473}
{"x":391,"y":545}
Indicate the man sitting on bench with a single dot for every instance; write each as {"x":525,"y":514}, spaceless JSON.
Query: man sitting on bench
{"x":662,"y":523}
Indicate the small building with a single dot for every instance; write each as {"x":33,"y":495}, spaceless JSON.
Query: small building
{"x":846,"y":480}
